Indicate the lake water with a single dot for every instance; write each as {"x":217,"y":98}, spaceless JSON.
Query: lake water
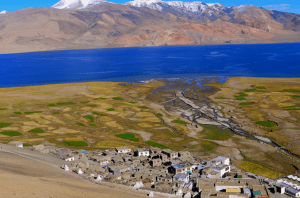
{"x":145,"y":63}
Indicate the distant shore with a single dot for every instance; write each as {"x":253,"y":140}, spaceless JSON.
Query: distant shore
{"x":19,"y":51}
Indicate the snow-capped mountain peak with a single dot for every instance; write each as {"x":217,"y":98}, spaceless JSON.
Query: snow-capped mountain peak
{"x":141,"y":3}
{"x":76,"y":4}
{"x":152,"y":4}
{"x":3,"y":12}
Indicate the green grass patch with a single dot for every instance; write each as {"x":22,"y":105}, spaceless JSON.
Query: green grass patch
{"x":249,"y":90}
{"x":132,"y":102}
{"x":2,"y":125}
{"x":117,"y":98}
{"x":247,"y":103}
{"x":294,"y":108}
{"x":90,"y":117}
{"x":93,"y":125}
{"x":36,"y":130}
{"x":241,"y":95}
{"x":240,"y":98}
{"x":3,"y":109}
{"x":220,"y":98}
{"x":100,"y":114}
{"x":143,"y":107}
{"x":32,"y":112}
{"x":154,"y":144}
{"x":259,"y":170}
{"x":295,"y":96}
{"x":26,"y":145}
{"x":291,"y":90}
{"x":208,"y":146}
{"x":80,"y":124}
{"x":93,"y":105}
{"x":160,"y":115}
{"x":85,"y":102}
{"x":179,"y":122}
{"x":216,"y":133}
{"x":60,"y":104}
{"x":64,"y":103}
{"x":11,"y":133}
{"x":76,"y":143}
{"x":128,"y":136}
{"x":99,"y":98}
{"x":57,"y":112}
{"x":18,"y":113}
{"x":266,"y":123}
{"x":291,"y":108}
{"x":110,"y":109}
{"x":260,"y":87}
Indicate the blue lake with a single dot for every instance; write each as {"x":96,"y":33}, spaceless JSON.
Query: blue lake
{"x":145,"y":63}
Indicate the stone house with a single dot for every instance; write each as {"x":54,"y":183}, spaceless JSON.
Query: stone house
{"x":178,"y":168}
{"x":124,"y":149}
{"x":164,"y":178}
{"x":170,"y":153}
{"x":142,"y":152}
{"x":184,"y":154}
{"x":164,"y":158}
{"x":155,"y":162}
{"x":181,"y":177}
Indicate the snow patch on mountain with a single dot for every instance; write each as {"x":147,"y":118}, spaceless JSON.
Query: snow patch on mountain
{"x":195,"y":7}
{"x":3,"y":12}
{"x":240,"y":8}
{"x":76,"y":4}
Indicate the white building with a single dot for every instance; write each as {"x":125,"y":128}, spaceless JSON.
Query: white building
{"x":222,"y":169}
{"x":143,"y":152}
{"x":181,"y":177}
{"x":104,"y":162}
{"x":220,"y":160}
{"x":124,"y":149}
{"x":70,"y":159}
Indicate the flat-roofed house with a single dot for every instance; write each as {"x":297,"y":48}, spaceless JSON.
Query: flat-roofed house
{"x":143,"y":152}
{"x":155,"y":162}
{"x":170,"y":153}
{"x":222,"y":169}
{"x":181,"y":177}
{"x":293,"y":192}
{"x":124,"y":149}
{"x":165,"y":178}
{"x":184,"y":154}
{"x":178,"y":168}
{"x":259,"y":191}
{"x":222,"y":186}
{"x":220,"y":160}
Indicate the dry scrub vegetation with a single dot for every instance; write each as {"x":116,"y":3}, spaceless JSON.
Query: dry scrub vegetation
{"x":267,"y":107}
{"x":105,"y":115}
{"x":94,"y":115}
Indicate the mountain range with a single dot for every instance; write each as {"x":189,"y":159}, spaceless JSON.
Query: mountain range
{"x":76,"y":24}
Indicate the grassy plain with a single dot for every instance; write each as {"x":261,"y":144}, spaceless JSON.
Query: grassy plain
{"x":103,"y":115}
{"x":91,"y":115}
{"x":270,"y":109}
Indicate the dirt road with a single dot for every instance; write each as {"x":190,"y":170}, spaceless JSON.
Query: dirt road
{"x":25,"y":173}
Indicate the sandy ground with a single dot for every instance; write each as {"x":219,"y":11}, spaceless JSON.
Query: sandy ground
{"x":24,"y":177}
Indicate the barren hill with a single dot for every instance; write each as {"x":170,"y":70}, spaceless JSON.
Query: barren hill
{"x":116,"y":25}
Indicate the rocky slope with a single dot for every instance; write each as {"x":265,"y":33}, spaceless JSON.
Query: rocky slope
{"x":75,"y":24}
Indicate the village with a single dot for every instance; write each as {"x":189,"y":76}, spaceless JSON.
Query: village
{"x":165,"y":172}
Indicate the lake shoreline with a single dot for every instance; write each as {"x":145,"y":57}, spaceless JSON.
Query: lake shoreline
{"x":126,"y":47}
